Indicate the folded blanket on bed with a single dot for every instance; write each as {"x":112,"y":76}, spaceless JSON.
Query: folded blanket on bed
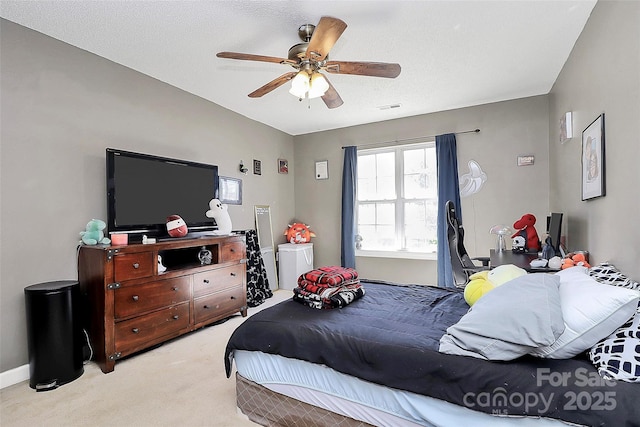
{"x":330,"y":276}
{"x":327,"y":298}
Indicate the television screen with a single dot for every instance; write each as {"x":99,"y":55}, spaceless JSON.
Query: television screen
{"x":143,"y":190}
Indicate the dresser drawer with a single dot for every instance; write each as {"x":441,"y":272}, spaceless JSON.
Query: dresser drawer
{"x":232,"y":251}
{"x":132,"y":300}
{"x":133,"y":334}
{"x":215,"y":280}
{"x":133,"y":266}
{"x":214,"y":305}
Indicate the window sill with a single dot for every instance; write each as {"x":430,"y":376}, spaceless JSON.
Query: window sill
{"x":397,"y":254}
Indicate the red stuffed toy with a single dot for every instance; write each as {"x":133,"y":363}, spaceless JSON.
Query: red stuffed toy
{"x":299,"y":233}
{"x":176,"y":226}
{"x":526,"y":229}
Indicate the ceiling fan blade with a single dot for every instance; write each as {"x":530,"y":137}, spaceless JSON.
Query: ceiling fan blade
{"x":250,"y":57}
{"x":324,"y":37}
{"x":273,"y":84}
{"x":375,"y":69}
{"x":331,"y":97}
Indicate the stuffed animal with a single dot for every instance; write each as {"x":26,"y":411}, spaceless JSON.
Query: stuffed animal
{"x":477,"y":287}
{"x":573,"y":260}
{"x":176,"y":227}
{"x":219,"y":213}
{"x":299,"y":233}
{"x":518,"y":244}
{"x":483,"y":281}
{"x":526,"y":229}
{"x":94,"y":233}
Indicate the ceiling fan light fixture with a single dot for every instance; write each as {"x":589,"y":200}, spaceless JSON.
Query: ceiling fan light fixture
{"x":319,"y":85}
{"x":300,"y":84}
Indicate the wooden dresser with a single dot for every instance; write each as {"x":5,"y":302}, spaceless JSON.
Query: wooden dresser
{"x":131,"y":305}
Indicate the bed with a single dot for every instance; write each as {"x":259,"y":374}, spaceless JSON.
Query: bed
{"x":377,"y":362}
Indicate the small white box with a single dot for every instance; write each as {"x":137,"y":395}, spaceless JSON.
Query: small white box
{"x":294,"y":260}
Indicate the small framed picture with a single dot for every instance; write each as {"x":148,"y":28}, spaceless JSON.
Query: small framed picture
{"x":527,"y":160}
{"x":593,"y":160}
{"x":322,"y":169}
{"x":230,"y":190}
{"x":257,"y":167}
{"x":283,"y":166}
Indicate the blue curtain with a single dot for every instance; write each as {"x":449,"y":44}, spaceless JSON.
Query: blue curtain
{"x":349,"y":180}
{"x":448,"y":189}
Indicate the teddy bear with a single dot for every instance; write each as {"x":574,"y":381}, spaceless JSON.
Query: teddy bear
{"x":484,"y":281}
{"x":94,"y":233}
{"x":219,"y":213}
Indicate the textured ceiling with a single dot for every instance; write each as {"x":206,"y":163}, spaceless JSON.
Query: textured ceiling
{"x":453,"y":53}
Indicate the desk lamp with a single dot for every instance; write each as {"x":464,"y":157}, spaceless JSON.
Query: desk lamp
{"x":501,"y":231}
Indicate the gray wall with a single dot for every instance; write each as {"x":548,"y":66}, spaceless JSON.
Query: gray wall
{"x":507,"y":129}
{"x":602,"y":75}
{"x":61,"y":107}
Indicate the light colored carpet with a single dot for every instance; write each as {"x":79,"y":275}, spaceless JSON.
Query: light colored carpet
{"x":181,"y":383}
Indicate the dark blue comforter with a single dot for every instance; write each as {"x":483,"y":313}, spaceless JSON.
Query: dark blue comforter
{"x":391,"y":337}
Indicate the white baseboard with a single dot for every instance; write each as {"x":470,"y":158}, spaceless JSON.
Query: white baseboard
{"x":14,"y":376}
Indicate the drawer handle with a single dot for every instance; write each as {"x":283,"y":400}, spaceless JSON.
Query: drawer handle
{"x":233,"y":274}
{"x":206,"y":307}
{"x":176,"y":317}
{"x":135,"y":330}
{"x":175,"y":288}
{"x":135,"y":297}
{"x":136,"y":265}
{"x":206,"y":281}
{"x":232,"y":297}
{"x":232,"y":250}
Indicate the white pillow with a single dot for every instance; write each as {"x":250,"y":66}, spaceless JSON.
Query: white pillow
{"x":591,"y":311}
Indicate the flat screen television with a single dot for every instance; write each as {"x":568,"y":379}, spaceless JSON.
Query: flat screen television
{"x":143,"y":190}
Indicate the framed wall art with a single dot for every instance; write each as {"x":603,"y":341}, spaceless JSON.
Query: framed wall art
{"x":257,"y":167}
{"x":322,"y":169}
{"x":230,"y":190}
{"x":593,"y":162}
{"x":283,"y":166}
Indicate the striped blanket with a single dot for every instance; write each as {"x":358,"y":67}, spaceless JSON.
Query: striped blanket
{"x":328,"y":287}
{"x":329,"y":276}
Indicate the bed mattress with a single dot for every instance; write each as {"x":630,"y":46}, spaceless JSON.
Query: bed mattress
{"x":360,"y":400}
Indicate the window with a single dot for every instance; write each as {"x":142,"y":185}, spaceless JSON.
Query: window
{"x":397,"y":199}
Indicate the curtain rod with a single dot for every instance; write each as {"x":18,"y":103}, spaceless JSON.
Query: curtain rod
{"x":408,"y":141}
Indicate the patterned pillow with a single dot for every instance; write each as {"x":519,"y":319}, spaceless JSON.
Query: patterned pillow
{"x":617,"y":357}
{"x":608,"y":274}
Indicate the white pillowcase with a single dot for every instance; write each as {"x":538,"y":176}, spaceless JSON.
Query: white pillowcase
{"x":591,"y":311}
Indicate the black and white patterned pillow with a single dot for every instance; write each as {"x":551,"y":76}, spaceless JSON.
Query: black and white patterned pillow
{"x":608,"y":274}
{"x":617,"y":357}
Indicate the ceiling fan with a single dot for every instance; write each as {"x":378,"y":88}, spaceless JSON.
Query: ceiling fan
{"x":309,"y":58}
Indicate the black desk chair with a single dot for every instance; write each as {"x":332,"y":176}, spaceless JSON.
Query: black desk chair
{"x":462,"y":265}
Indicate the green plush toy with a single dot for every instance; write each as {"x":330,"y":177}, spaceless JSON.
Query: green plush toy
{"x":94,"y":233}
{"x":482,"y":282}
